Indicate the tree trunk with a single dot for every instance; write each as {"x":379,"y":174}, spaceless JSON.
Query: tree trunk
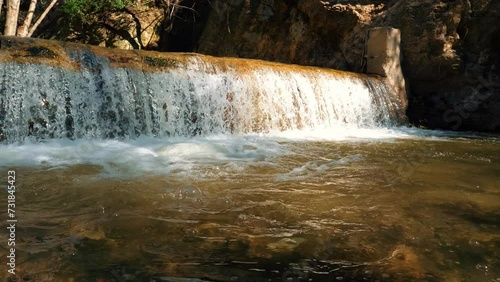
{"x":1,"y":5}
{"x":23,"y":30}
{"x":11,"y":17}
{"x":40,"y":19}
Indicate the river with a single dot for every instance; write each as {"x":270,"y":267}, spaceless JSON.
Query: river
{"x":389,"y":204}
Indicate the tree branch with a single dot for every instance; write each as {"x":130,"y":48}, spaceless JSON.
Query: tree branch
{"x":123,"y":34}
{"x":23,"y":30}
{"x":138,"y":26}
{"x":42,"y":16}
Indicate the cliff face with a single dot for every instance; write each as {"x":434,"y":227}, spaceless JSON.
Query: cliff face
{"x":451,"y":48}
{"x":302,"y":32}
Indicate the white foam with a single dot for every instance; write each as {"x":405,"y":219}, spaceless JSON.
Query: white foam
{"x":356,"y":134}
{"x":185,"y":156}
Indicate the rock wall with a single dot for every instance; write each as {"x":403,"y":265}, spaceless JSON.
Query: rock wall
{"x":450,"y":48}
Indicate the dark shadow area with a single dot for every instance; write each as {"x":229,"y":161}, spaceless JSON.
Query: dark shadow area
{"x":495,"y":47}
{"x":182,"y":33}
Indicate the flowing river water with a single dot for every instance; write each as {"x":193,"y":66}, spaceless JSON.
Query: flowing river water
{"x":210,"y":174}
{"x":404,"y":206}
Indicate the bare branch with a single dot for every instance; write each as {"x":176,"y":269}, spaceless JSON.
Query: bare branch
{"x":123,"y":33}
{"x":23,"y":30}
{"x":42,"y":16}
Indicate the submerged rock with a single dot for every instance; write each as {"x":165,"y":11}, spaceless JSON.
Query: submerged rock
{"x":405,"y":263}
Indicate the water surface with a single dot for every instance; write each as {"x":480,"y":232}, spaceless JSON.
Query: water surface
{"x":365,"y":205}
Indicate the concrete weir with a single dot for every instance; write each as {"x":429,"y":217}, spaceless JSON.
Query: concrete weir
{"x":51,"y":89}
{"x":384,"y":58}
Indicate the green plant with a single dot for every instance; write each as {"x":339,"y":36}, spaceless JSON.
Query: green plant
{"x":84,"y":8}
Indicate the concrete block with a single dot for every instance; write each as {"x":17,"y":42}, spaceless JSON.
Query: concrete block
{"x":384,"y":58}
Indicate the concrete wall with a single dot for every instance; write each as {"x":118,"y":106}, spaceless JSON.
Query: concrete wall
{"x":384,"y":58}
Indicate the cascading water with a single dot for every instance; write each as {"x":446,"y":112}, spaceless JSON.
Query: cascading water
{"x":194,"y":97}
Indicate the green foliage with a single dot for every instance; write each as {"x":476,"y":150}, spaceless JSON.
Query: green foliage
{"x":85,"y":8}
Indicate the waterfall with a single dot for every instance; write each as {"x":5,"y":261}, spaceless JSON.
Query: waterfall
{"x":182,"y":95}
